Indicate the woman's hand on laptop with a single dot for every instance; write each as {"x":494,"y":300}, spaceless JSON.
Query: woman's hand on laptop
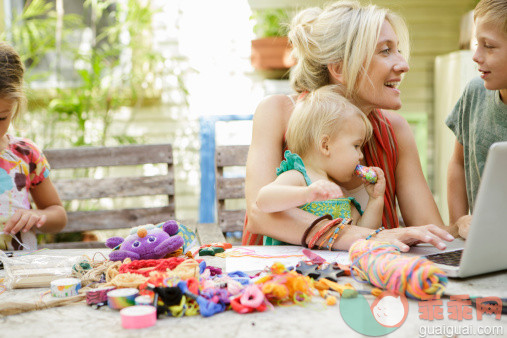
{"x":463,"y":224}
{"x":406,"y":237}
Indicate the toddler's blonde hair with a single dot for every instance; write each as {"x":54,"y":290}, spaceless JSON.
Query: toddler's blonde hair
{"x":492,"y":11}
{"x":343,"y":32}
{"x":320,"y":113}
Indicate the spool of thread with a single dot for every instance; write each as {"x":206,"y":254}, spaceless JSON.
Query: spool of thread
{"x":138,"y":316}
{"x":121,"y":298}
{"x":98,"y":296}
{"x":382,"y":265}
{"x":143,"y":300}
{"x":65,"y":287}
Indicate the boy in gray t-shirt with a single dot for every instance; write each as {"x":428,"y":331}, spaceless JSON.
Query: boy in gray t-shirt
{"x":480,"y":117}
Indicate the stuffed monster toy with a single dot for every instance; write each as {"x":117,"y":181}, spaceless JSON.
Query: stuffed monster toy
{"x":146,"y":242}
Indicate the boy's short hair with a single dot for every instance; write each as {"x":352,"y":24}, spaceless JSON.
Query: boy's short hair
{"x":319,"y":113}
{"x":492,"y":11}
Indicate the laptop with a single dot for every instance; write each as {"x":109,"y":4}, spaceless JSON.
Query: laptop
{"x":485,"y":249}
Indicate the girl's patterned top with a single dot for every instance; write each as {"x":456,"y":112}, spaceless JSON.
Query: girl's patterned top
{"x":337,"y":207}
{"x":22,"y":166}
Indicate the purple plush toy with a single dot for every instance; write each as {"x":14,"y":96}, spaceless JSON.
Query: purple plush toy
{"x":146,"y":242}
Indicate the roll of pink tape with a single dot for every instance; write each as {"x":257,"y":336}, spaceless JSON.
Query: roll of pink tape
{"x":138,"y":316}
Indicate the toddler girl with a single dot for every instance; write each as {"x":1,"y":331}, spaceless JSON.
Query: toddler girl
{"x":325,"y":135}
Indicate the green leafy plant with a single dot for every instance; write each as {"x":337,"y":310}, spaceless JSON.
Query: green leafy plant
{"x":118,"y":67}
{"x":270,"y":22}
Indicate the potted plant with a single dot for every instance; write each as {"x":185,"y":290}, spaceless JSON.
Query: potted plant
{"x":271,"y":51}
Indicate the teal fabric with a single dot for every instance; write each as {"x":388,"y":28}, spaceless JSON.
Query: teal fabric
{"x":337,"y":208}
{"x":478,"y":120}
{"x":293,"y":162}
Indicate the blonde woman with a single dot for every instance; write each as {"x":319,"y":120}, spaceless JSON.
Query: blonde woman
{"x":324,"y":137}
{"x":363,"y":49}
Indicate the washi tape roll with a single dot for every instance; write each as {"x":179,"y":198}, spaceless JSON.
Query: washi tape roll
{"x":121,"y":298}
{"x":143,"y":300}
{"x":138,"y":316}
{"x":98,"y":296}
{"x":65,"y":287}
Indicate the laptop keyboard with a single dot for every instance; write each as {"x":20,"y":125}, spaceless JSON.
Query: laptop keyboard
{"x":448,"y":258}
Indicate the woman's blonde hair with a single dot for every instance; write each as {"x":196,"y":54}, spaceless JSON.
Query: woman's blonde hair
{"x":320,"y":113}
{"x":343,"y":32}
{"x":492,"y":11}
{"x":12,"y":71}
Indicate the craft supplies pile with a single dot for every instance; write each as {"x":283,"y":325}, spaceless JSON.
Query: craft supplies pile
{"x":158,"y":271}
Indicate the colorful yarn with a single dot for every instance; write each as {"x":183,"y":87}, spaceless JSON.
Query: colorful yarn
{"x":382,"y":265}
{"x":144,"y":267}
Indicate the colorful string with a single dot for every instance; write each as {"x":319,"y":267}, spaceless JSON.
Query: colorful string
{"x":382,"y":265}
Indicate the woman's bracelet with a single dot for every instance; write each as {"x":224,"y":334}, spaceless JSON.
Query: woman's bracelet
{"x":375,"y":233}
{"x":314,"y":223}
{"x":322,"y":231}
{"x":340,"y":220}
{"x":331,"y":240}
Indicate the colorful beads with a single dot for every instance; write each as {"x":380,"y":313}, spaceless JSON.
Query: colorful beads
{"x":374,"y":233}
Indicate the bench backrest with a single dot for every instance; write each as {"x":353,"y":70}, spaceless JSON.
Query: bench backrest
{"x":98,"y":160}
{"x":228,"y":188}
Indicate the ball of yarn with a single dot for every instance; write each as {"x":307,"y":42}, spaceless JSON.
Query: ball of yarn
{"x":382,"y":265}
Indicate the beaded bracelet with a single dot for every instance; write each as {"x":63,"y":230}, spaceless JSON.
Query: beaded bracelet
{"x":314,"y":223}
{"x":321,"y":232}
{"x":331,"y":240}
{"x":375,"y":233}
{"x":338,"y":220}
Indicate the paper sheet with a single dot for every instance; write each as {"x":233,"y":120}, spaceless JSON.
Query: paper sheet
{"x":255,"y":258}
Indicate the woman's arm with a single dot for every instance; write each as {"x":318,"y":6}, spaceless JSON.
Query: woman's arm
{"x":264,"y":156}
{"x":456,"y":187}
{"x":414,"y":196}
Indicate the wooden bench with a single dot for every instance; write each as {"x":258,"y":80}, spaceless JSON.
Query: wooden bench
{"x":99,"y":162}
{"x":230,"y":188}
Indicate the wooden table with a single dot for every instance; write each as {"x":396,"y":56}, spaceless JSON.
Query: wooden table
{"x":312,"y":320}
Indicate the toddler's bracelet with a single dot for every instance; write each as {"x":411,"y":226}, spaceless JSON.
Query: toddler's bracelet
{"x":375,"y":233}
{"x":331,"y":240}
{"x":314,"y":223}
{"x":322,"y":231}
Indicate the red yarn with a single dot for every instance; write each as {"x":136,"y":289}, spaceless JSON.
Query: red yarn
{"x":141,"y":267}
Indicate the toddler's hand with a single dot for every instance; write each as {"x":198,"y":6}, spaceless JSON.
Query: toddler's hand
{"x":376,"y":190}
{"x":24,"y":220}
{"x":322,"y":190}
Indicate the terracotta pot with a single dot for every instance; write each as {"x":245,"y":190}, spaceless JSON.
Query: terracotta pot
{"x":272,"y":53}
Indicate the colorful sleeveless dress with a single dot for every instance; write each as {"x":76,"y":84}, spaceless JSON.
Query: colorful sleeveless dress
{"x":337,"y":207}
{"x":380,"y":151}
